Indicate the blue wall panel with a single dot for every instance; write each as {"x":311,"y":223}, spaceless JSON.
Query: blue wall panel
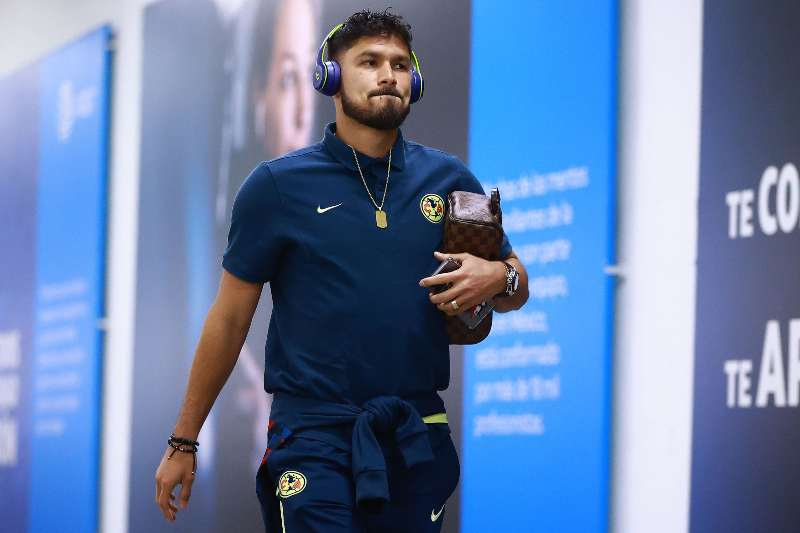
{"x":537,"y":392}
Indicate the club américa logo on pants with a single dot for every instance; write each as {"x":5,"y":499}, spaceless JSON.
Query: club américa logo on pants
{"x":432,"y":207}
{"x":290,"y":483}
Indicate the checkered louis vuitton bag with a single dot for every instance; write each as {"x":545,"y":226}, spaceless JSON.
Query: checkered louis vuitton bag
{"x":474,"y":225}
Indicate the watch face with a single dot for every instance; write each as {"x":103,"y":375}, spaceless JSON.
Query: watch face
{"x":514,"y":280}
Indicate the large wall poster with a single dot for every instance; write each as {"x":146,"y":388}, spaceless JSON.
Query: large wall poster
{"x":54,"y":132}
{"x":218,"y":98}
{"x":747,"y":325}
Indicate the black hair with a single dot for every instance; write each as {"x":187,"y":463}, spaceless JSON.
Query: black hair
{"x":368,"y":23}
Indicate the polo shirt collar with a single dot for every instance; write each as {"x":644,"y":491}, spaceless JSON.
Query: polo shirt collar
{"x":342,"y":152}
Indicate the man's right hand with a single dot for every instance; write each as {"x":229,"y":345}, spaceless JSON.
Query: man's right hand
{"x":221,"y":340}
{"x":170,"y":473}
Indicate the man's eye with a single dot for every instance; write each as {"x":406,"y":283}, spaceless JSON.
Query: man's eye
{"x":401,"y":66}
{"x":369,"y":62}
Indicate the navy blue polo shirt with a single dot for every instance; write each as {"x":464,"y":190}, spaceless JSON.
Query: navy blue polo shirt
{"x":349,"y":319}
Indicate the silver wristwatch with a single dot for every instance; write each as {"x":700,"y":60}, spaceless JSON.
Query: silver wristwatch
{"x":512,"y":281}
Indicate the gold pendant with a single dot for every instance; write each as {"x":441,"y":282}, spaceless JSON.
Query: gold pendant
{"x":380,"y":219}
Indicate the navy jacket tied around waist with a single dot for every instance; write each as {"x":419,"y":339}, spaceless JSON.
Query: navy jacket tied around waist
{"x":391,"y":415}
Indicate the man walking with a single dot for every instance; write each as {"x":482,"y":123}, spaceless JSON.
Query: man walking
{"x":345,"y":231}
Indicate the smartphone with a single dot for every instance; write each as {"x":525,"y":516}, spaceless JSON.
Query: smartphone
{"x":471,"y":317}
{"x":448,"y":265}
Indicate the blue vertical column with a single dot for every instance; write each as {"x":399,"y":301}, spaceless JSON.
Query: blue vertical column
{"x":537,"y":391}
{"x":18,"y":168}
{"x":69,"y":288}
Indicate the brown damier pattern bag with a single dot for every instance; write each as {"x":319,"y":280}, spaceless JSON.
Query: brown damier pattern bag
{"x":474,"y":225}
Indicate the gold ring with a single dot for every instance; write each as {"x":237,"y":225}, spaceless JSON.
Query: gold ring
{"x":454,"y":305}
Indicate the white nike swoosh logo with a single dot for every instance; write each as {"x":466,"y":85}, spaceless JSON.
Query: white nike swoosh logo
{"x":435,"y":516}
{"x":321,"y":210}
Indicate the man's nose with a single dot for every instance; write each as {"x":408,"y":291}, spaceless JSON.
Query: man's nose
{"x":386,"y":75}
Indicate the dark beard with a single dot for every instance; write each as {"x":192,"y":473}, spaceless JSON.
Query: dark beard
{"x":386,"y":118}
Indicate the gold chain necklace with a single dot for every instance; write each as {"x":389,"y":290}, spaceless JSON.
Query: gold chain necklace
{"x":380,"y":214}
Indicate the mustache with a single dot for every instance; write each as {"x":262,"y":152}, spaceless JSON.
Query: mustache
{"x":390,"y":92}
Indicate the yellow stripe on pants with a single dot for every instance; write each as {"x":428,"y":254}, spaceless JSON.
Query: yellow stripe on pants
{"x":438,"y":418}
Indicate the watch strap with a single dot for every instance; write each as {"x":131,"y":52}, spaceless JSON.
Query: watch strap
{"x":509,"y":288}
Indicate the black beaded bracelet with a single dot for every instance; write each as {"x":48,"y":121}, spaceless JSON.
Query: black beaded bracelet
{"x":182,"y":445}
{"x":181,"y":440}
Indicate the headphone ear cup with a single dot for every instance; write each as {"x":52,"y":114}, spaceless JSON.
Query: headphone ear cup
{"x":327,"y":78}
{"x":319,"y":77}
{"x":417,"y":86}
{"x":334,"y":78}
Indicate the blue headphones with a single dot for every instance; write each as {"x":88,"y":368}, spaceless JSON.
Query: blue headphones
{"x":328,"y":74}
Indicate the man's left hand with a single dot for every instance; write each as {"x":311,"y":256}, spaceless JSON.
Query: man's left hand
{"x":475,"y":282}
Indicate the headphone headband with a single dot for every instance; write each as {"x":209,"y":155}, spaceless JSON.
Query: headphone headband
{"x":416,"y":62}
{"x":324,"y":48}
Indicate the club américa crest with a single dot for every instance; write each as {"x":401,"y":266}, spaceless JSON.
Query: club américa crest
{"x":290,"y":483}
{"x":432,"y":207}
